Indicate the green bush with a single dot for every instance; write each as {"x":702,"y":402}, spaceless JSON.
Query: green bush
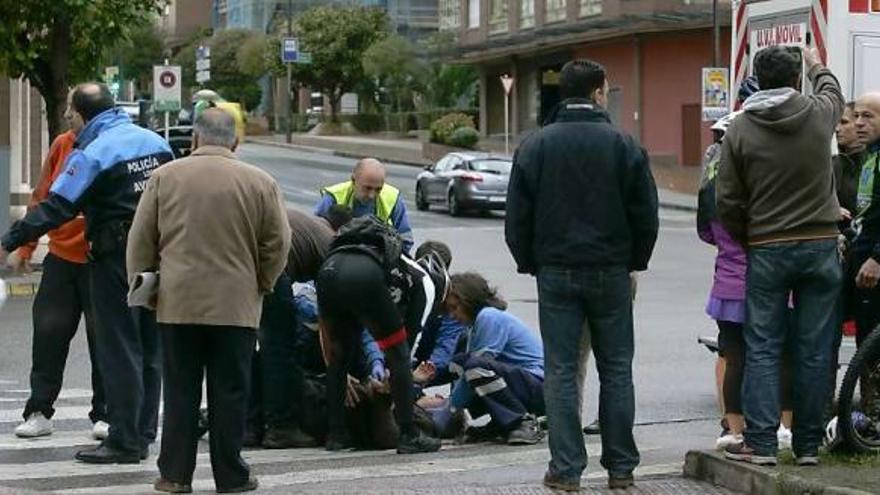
{"x":443,"y":128}
{"x":464,"y":137}
{"x":368,"y":123}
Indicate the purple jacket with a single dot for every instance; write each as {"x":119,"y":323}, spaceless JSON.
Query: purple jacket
{"x":730,"y":263}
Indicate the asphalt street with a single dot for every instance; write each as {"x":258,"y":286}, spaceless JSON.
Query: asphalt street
{"x":676,"y":406}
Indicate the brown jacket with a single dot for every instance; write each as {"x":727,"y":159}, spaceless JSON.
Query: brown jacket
{"x":775,"y":181}
{"x":216,"y":229}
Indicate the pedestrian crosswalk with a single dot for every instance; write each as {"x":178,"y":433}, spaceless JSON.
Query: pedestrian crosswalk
{"x":46,"y":463}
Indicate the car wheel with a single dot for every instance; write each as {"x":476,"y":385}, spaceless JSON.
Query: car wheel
{"x":454,"y":205}
{"x":421,"y":200}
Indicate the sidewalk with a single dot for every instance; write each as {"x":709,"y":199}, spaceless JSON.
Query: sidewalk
{"x":834,"y":476}
{"x":409,"y":152}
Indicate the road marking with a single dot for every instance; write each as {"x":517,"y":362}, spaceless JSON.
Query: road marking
{"x":59,"y":439}
{"x":63,"y":412}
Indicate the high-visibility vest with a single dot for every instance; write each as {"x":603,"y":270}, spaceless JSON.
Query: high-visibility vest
{"x":343,"y":193}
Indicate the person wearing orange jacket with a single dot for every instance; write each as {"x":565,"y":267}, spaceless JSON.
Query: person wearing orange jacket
{"x":61,"y":300}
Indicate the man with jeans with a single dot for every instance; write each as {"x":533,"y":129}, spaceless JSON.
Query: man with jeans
{"x":582,"y":216}
{"x":775,"y":195}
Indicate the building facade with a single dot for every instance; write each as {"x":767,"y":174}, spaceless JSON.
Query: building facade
{"x":653,"y":50}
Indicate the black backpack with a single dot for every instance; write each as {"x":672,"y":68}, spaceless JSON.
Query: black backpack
{"x":370,"y":235}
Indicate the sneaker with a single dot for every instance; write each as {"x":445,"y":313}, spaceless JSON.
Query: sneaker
{"x":728,"y":439}
{"x":288,"y":438}
{"x":783,"y":436}
{"x":526,"y":433}
{"x":807,"y":460}
{"x":101,"y":430}
{"x":555,"y":482}
{"x":417,"y":444}
{"x":743,"y":453}
{"x":36,"y":425}
{"x":620,"y":481}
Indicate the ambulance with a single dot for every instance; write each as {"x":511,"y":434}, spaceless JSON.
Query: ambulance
{"x":846,"y":33}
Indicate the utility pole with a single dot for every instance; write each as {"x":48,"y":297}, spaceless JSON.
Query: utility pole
{"x":289,"y":88}
{"x":716,"y":35}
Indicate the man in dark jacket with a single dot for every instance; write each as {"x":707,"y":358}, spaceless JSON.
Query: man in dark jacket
{"x":848,"y":161}
{"x":775,"y":194}
{"x":582,"y":216}
{"x":104,"y":177}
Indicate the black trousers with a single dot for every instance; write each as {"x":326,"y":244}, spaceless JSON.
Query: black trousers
{"x":224,"y":353}
{"x":281,"y":374}
{"x":129,"y":356}
{"x":62,"y":300}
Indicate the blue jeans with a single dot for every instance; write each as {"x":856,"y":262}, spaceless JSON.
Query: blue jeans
{"x":573,"y":302}
{"x":810,"y":270}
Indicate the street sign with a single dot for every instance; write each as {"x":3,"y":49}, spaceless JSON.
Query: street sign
{"x":111,"y":79}
{"x":166,"y":88}
{"x":203,"y":76}
{"x":716,"y":93}
{"x":289,"y":49}
{"x":304,"y":58}
{"x":507,"y":82}
{"x":203,"y":64}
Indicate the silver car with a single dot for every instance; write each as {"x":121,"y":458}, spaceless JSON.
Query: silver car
{"x":463,"y":181}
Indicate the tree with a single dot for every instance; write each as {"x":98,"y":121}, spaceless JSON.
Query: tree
{"x":55,"y":42}
{"x":337,"y":38}
{"x":446,"y":85}
{"x":137,"y":54}
{"x":393,"y":63}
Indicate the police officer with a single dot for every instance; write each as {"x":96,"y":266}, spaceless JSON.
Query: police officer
{"x":366,"y":193}
{"x":104,"y":177}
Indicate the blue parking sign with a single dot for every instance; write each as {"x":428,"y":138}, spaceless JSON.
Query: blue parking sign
{"x":289,"y":50}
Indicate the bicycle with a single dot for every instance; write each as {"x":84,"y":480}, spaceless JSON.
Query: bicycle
{"x":858,"y":421}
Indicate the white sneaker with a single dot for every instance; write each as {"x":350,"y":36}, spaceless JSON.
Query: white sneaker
{"x":729,"y":439}
{"x":783,"y":436}
{"x":36,"y":425}
{"x":101,"y":430}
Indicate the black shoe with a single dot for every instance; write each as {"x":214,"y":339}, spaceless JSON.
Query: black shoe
{"x":163,"y":485}
{"x":490,"y":432}
{"x":551,"y":480}
{"x":103,"y":454}
{"x":251,"y":485}
{"x":592,"y":428}
{"x":288,"y":438}
{"x":526,"y":433}
{"x":620,"y":481}
{"x":418,"y":443}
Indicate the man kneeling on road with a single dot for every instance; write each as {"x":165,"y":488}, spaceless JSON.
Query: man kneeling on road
{"x":366,"y":193}
{"x":503,"y":368}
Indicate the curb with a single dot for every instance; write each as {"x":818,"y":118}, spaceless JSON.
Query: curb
{"x":330,"y":151}
{"x":740,"y":477}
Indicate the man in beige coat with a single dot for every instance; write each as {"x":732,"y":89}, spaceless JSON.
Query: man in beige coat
{"x":216,"y":230}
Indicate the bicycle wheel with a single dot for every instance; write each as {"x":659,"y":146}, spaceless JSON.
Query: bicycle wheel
{"x":857,"y":421}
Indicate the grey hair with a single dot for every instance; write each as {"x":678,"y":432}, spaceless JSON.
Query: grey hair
{"x":216,"y":127}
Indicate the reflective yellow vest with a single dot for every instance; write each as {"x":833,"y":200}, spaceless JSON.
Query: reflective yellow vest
{"x":343,"y":193}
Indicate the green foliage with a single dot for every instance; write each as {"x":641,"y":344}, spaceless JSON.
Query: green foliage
{"x":337,"y":38}
{"x":136,"y":54}
{"x":393,"y":64}
{"x":464,"y":137}
{"x":54,"y":43}
{"x":443,"y":128}
{"x":368,"y":122}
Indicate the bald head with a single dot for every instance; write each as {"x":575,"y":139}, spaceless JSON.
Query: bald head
{"x":867,"y":118}
{"x":90,"y":99}
{"x":369,"y":178}
{"x":215,"y":127}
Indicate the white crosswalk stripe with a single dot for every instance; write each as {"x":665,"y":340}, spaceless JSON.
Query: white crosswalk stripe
{"x":47,"y":463}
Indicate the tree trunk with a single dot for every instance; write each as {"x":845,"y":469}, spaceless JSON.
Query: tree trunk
{"x":55,"y":77}
{"x":335,"y":98}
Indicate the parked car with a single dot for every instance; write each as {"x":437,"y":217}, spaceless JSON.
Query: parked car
{"x":463,"y":181}
{"x":179,"y":138}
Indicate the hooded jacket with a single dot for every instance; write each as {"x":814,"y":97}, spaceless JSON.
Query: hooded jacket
{"x":775,"y":182}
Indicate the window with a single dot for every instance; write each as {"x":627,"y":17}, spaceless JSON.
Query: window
{"x":590,"y":8}
{"x":497,"y":16}
{"x":450,"y":14}
{"x":473,"y":14}
{"x":526,"y":14}
{"x":554,"y":11}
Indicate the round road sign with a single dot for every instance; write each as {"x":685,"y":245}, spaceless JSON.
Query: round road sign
{"x":167,"y":79}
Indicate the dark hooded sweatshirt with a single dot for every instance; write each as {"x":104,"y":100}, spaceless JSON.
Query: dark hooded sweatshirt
{"x":775,"y":181}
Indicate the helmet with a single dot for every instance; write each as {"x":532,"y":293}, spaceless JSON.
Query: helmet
{"x":832,"y":438}
{"x":723,"y":123}
{"x":748,"y":87}
{"x":206,"y":95}
{"x":436,"y":269}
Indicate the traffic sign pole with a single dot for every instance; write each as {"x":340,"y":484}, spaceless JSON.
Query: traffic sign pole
{"x":507,"y":82}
